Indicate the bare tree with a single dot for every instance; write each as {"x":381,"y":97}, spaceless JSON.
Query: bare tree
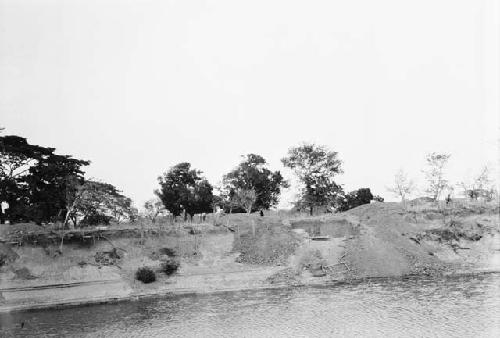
{"x":153,"y":208}
{"x":434,"y":174}
{"x":402,"y":187}
{"x":246,"y":198}
{"x":481,"y":186}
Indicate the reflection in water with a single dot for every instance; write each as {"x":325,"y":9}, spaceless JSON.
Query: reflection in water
{"x":461,"y":306}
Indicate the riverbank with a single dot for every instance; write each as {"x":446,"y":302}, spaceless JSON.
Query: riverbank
{"x":371,"y":241}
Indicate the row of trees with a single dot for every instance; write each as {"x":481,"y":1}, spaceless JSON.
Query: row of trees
{"x":41,"y":186}
{"x":478,"y":187}
{"x":252,"y":186}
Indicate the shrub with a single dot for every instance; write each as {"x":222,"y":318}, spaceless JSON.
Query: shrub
{"x":355,"y":199}
{"x":95,"y":219}
{"x":170,"y":266}
{"x":167,"y":251}
{"x":145,"y":275}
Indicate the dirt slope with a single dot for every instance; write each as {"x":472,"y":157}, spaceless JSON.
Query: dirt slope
{"x":389,"y":243}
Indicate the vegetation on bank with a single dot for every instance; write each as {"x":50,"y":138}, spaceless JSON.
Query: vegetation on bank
{"x":46,"y":188}
{"x":145,"y":274}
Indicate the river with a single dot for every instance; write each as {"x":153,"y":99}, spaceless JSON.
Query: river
{"x":466,"y":306}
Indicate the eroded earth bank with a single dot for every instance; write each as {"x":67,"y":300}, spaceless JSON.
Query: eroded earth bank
{"x":379,"y":240}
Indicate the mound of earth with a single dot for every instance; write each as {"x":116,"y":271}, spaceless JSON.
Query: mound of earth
{"x":271,"y":245}
{"x":389,"y":243}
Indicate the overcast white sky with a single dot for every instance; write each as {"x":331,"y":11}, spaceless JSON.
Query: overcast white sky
{"x":138,"y":86}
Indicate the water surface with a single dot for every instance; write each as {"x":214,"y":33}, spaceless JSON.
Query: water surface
{"x":467,"y":306}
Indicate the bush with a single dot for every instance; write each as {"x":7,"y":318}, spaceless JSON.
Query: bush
{"x":95,"y":219}
{"x":145,"y":275}
{"x":167,"y":251}
{"x":170,"y":266}
{"x":355,"y":199}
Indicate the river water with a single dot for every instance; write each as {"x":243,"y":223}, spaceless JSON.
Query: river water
{"x":467,"y":306}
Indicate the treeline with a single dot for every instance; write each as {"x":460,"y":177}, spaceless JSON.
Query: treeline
{"x":251,"y":186}
{"x":36,"y":184}
{"x":41,"y":186}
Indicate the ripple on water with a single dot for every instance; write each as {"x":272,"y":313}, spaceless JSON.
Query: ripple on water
{"x":463,"y":307}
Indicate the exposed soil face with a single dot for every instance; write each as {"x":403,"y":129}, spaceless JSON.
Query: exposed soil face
{"x":269,"y":246}
{"x":391,"y":244}
{"x":336,"y":226}
{"x":375,"y":240}
{"x":384,"y":240}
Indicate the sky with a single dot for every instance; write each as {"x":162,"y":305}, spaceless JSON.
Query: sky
{"x":139,"y":86}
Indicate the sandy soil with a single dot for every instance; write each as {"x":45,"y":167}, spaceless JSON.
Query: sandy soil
{"x":376,"y":240}
{"x":213,"y":270}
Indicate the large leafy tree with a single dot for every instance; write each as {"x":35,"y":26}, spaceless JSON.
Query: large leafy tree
{"x":183,"y":189}
{"x":17,"y":156}
{"x":252,"y":174}
{"x":48,"y":185}
{"x":33,"y":179}
{"x":316,"y":167}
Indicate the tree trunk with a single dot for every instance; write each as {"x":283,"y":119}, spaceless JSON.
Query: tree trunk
{"x":253,"y":224}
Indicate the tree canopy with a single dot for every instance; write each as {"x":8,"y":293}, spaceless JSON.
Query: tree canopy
{"x":183,"y":189}
{"x":95,"y":202}
{"x":253,"y":174}
{"x":316,"y":167}
{"x":33,"y":179}
{"x":356,"y":198}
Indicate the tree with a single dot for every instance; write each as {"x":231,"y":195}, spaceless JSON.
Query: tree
{"x":252,"y":174}
{"x":33,"y":179}
{"x":355,"y":198}
{"x":183,"y":189}
{"x":96,"y":202}
{"x":120,"y":207}
{"x":481,"y":186}
{"x":246,"y":198}
{"x":17,"y":156}
{"x":316,"y":167}
{"x":402,"y":187}
{"x":434,"y":174}
{"x":153,"y":208}
{"x":47,"y":182}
